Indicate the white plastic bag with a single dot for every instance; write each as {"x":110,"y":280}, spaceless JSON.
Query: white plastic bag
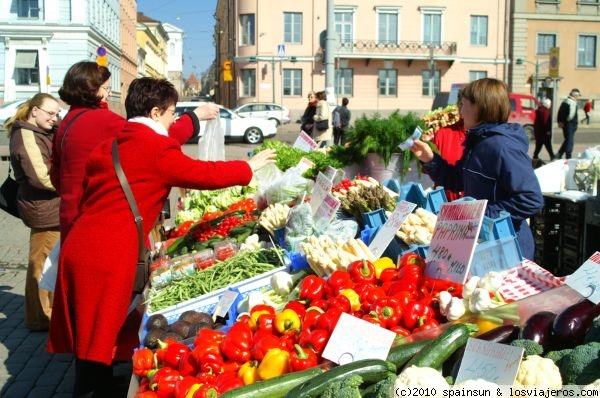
{"x":50,"y":271}
{"x":211,"y":146}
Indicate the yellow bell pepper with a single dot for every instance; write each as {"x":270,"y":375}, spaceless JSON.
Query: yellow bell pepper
{"x":275,"y":363}
{"x":249,"y":372}
{"x":381,"y":264}
{"x":287,"y":321}
{"x":353,"y":297}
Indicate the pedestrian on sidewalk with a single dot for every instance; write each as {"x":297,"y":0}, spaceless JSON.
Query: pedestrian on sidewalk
{"x":567,"y":120}
{"x":341,"y":123}
{"x":30,"y":132}
{"x":323,"y":135}
{"x":542,"y":129}
{"x":587,"y":108}
{"x":308,"y":118}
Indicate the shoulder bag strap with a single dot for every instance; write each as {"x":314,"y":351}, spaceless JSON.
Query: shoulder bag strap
{"x":62,"y":141}
{"x":129,"y":195}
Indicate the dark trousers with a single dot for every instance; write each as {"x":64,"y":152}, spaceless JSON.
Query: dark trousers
{"x":567,"y":146}
{"x":339,"y":136}
{"x":545,"y":142}
{"x":586,"y":118}
{"x":92,"y":379}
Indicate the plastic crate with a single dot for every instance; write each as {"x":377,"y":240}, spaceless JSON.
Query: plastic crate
{"x":496,"y":255}
{"x":434,"y":200}
{"x":297,"y":261}
{"x":413,"y":192}
{"x":375,"y":218}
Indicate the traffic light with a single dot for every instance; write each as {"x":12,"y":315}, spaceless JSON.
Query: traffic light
{"x":101,"y":56}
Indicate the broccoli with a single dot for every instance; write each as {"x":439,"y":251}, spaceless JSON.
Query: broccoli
{"x":594,"y":333}
{"x":531,"y":347}
{"x":582,"y":365}
{"x":557,"y":356}
{"x":347,"y":388}
{"x":381,"y":389}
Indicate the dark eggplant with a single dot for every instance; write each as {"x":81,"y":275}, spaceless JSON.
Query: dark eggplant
{"x":571,"y":325}
{"x":539,"y":328}
{"x":501,"y":334}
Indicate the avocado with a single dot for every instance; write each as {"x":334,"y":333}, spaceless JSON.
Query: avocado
{"x":181,"y":327}
{"x":157,"y":321}
{"x":196,"y":327}
{"x":196,"y":317}
{"x":173,"y":335}
{"x":152,"y":337}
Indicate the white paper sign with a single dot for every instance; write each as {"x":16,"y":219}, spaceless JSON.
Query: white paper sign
{"x":387,"y":232}
{"x":354,"y":339}
{"x":335,"y":175}
{"x":586,"y":280}
{"x":326,"y":211}
{"x":320,"y":190}
{"x":305,"y":143}
{"x":454,"y":238}
{"x":305,"y":164}
{"x":490,"y":361}
{"x":225,"y":303}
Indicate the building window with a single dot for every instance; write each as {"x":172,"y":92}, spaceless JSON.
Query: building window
{"x":430,"y":87}
{"x":343,"y":82}
{"x":477,"y":74}
{"x":248,"y":82}
{"x":545,"y":41}
{"x":432,"y":27}
{"x":247,"y":30}
{"x":292,"y":27}
{"x":387,"y":26}
{"x":586,"y":51}
{"x":479,"y":27}
{"x":27,"y":67}
{"x":344,"y":27}
{"x":28,"y":9}
{"x":388,"y":82}
{"x":292,"y":82}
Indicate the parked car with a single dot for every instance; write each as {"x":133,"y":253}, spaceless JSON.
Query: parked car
{"x":265,"y":110}
{"x":8,"y":110}
{"x":251,"y":130}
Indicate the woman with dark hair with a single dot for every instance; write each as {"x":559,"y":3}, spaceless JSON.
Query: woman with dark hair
{"x":86,"y":88}
{"x":98,"y":258}
{"x":30,"y":133}
{"x":308,"y":118}
{"x":495,"y":164}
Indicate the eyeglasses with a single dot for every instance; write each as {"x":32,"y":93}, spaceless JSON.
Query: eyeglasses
{"x":107,"y":88}
{"x":51,"y":114}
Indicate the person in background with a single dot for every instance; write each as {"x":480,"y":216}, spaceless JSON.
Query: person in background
{"x":567,"y":121}
{"x":495,"y":164}
{"x":30,"y":132}
{"x":87,"y":88}
{"x":587,"y":108}
{"x":98,"y":261}
{"x":339,"y":132}
{"x":542,"y":129}
{"x":308,"y":118}
{"x":322,"y":137}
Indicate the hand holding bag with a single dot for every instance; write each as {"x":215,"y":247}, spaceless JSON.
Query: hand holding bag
{"x":211,"y":146}
{"x":322,"y":125}
{"x":8,"y":195}
{"x":142,"y":270}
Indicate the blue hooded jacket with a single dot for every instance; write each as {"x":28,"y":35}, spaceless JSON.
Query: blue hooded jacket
{"x":495,"y":166}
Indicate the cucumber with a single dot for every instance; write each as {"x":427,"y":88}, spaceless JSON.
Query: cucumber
{"x":371,"y":371}
{"x":401,"y":354}
{"x":276,"y":387}
{"x":440,"y":349}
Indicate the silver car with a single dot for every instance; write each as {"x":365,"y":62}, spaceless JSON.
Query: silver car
{"x":265,"y":110}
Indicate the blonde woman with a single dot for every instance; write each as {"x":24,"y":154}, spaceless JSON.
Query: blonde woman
{"x":322,"y":136}
{"x":30,"y":132}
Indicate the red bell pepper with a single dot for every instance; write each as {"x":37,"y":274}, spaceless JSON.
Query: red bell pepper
{"x":266,"y":323}
{"x":257,"y":311}
{"x":388,"y":275}
{"x":227,"y":381}
{"x":317,"y":340}
{"x":263,"y":344}
{"x":372,"y":317}
{"x":319,"y":303}
{"x":163,"y":382}
{"x":145,"y":394}
{"x":329,"y":319}
{"x":416,"y":312}
{"x":388,"y":310}
{"x":301,"y":359}
{"x":231,"y":366}
{"x":312,"y":287}
{"x":188,"y":365}
{"x":143,"y":361}
{"x":311,"y":317}
{"x":341,"y":302}
{"x":185,"y":385}
{"x":362,"y":271}
{"x":170,"y":354}
{"x":211,"y":362}
{"x":400,"y":285}
{"x":206,"y":391}
{"x":296,"y":306}
{"x":237,"y":342}
{"x":402,"y":331}
{"x":340,"y":280}
{"x":206,"y":377}
{"x":404,"y":297}
{"x":412,"y":258}
{"x":208,"y":338}
{"x":369,"y":295}
{"x":287,"y":341}
{"x":425,"y":323}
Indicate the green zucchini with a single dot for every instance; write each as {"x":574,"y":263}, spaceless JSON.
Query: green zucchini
{"x":401,"y":354}
{"x":371,"y":371}
{"x":276,"y":387}
{"x":441,"y":348}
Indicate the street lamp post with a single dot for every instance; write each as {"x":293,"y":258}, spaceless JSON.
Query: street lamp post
{"x":521,"y":61}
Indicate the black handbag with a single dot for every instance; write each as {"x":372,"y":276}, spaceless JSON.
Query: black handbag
{"x":142,"y":270}
{"x":322,"y":125}
{"x":8,"y":195}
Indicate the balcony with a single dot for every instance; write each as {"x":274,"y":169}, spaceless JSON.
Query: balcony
{"x":411,"y":50}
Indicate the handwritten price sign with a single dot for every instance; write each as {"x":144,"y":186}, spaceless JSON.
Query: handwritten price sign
{"x":322,"y":187}
{"x":493,"y":362}
{"x":388,"y":230}
{"x":586,"y":280}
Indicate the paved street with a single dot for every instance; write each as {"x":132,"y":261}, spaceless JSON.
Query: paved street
{"x":26,"y":370}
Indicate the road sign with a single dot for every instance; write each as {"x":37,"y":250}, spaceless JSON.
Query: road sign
{"x":281,"y":50}
{"x":554,"y":62}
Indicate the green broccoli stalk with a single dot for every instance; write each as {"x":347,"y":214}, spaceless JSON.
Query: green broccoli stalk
{"x":582,"y":365}
{"x":531,"y":347}
{"x":381,"y":389}
{"x":347,"y":388}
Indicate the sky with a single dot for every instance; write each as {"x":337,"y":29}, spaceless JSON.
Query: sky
{"x":196,"y":19}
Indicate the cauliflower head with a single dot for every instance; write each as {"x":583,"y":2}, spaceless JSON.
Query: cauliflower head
{"x":415,"y":376}
{"x":538,"y":371}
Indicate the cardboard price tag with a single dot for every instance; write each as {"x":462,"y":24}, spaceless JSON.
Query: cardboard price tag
{"x":354,"y":338}
{"x":454,"y":238}
{"x":335,"y":175}
{"x":387,"y":232}
{"x":225,"y":303}
{"x":305,"y":143}
{"x":586,"y":280}
{"x":326,"y":211}
{"x":320,"y":190}
{"x":493,"y":362}
{"x":305,"y":164}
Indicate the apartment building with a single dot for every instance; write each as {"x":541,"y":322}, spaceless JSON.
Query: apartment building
{"x":388,"y":54}
{"x":128,"y":45}
{"x":152,"y":41}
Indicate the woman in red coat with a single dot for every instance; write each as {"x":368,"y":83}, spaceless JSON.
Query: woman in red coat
{"x":98,"y":257}
{"x":542,"y":129}
{"x":86,"y":88}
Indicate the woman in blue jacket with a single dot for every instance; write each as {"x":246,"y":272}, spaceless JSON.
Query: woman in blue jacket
{"x":495,"y":164}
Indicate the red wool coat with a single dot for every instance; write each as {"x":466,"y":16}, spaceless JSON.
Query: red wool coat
{"x":97,"y":260}
{"x":70,"y":155}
